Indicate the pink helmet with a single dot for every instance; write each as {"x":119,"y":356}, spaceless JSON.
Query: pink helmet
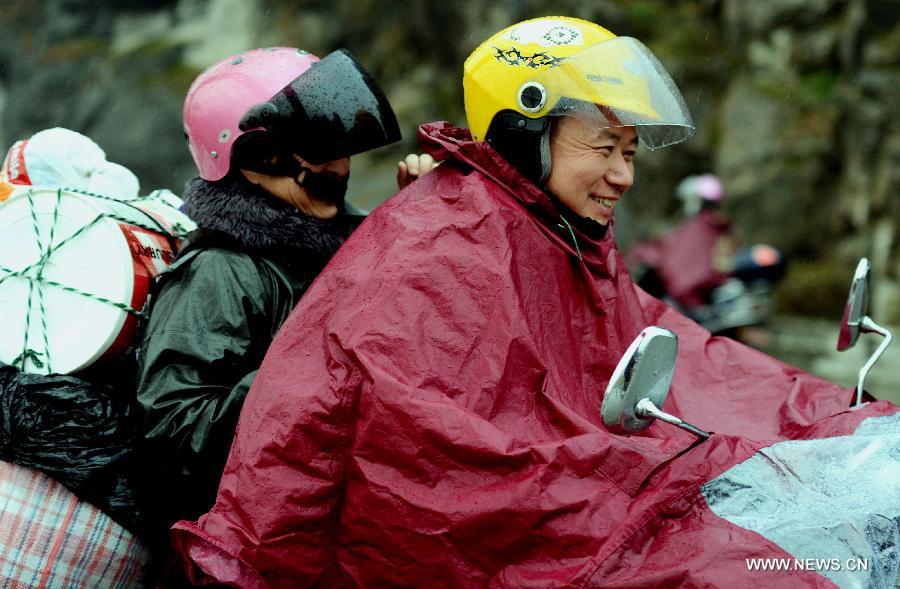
{"x":221,"y":95}
{"x":705,"y":187}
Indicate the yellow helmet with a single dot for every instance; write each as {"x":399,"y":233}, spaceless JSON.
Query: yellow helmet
{"x":555,"y":66}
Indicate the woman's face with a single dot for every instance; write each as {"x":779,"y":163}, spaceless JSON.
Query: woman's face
{"x":288,"y":189}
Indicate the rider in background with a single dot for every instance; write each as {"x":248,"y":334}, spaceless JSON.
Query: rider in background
{"x":688,"y":263}
{"x":699,"y":268}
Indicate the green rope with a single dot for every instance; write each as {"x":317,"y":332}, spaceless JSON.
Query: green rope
{"x":52,"y":225}
{"x":40,"y":273}
{"x":94,"y":297}
{"x":28,"y":354}
{"x":572,"y":233}
{"x":84,"y":228}
{"x":51,"y":250}
{"x":88,"y":295}
{"x":27,"y":326}
{"x":157,"y":226}
{"x":178,"y":230}
{"x":26,"y":351}
{"x":102,"y":196}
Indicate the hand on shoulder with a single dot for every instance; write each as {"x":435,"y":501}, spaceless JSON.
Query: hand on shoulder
{"x":413,"y":167}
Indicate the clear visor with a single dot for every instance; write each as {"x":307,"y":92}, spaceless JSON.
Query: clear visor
{"x":615,"y":83}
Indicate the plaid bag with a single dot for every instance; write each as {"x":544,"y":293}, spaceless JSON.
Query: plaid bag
{"x":51,"y":539}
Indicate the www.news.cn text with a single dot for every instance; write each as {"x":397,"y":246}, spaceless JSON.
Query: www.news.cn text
{"x":807,"y":564}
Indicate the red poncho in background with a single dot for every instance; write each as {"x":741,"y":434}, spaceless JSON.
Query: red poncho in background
{"x":685,"y":258}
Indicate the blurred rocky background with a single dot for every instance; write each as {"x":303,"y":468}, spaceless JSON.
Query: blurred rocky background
{"x":796,"y":104}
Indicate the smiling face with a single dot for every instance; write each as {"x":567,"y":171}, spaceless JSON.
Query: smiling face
{"x":592,"y":167}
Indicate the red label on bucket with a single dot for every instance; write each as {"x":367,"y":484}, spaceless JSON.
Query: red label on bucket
{"x":151,"y":253}
{"x":14,"y":170}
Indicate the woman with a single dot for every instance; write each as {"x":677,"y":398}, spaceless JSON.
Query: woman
{"x":272,"y":146}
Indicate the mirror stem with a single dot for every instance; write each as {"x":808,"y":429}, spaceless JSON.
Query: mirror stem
{"x":869,"y":326}
{"x":646,"y":408}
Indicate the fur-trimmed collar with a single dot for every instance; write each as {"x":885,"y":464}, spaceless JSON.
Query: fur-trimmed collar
{"x":261,"y":222}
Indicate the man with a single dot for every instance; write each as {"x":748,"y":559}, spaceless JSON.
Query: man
{"x":429,"y":415}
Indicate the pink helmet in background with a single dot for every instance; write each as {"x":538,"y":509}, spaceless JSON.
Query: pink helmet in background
{"x":221,"y":95}
{"x":696,"y":190}
{"x":705,"y":186}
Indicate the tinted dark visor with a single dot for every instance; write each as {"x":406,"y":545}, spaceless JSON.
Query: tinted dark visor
{"x":331,"y":111}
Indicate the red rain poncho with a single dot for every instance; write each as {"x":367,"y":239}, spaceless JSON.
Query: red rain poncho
{"x":429,"y":414}
{"x":684,"y":259}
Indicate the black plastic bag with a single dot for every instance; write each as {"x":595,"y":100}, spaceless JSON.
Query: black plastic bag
{"x":80,"y":432}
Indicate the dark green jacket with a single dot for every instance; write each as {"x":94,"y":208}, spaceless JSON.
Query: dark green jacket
{"x":214,"y":314}
{"x":212,"y":322}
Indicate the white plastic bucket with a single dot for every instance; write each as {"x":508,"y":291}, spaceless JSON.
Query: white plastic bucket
{"x":80,"y":306}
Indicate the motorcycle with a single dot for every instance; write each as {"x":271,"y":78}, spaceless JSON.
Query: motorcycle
{"x":825,"y":504}
{"x":698,"y":269}
{"x":741,"y":299}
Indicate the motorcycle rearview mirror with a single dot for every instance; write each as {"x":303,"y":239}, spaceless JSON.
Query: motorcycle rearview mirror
{"x":640,"y":384}
{"x":857,"y":307}
{"x":856,"y":320}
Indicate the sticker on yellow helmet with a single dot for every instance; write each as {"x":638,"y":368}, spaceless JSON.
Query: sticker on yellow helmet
{"x":546,"y":32}
{"x":534,"y":60}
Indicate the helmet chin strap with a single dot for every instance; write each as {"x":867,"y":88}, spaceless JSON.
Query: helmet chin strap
{"x":523,"y":142}
{"x":546,"y":164}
